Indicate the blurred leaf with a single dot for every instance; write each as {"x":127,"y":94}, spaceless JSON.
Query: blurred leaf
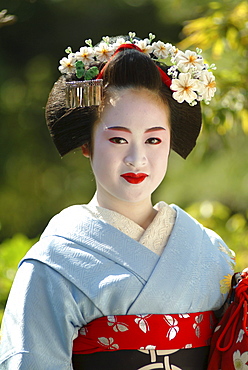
{"x":223,"y":34}
{"x":244,"y":120}
{"x":11,"y":252}
{"x":218,"y":47}
{"x":232,"y":37}
{"x":233,"y":229}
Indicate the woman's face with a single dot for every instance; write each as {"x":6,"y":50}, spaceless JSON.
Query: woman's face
{"x":131,"y":145}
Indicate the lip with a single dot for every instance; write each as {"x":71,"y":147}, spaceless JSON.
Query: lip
{"x":134,"y":178}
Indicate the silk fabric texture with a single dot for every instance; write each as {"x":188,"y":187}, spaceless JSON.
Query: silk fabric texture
{"x":83,"y":268}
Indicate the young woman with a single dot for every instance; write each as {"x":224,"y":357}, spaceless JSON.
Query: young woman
{"x":119,"y":283}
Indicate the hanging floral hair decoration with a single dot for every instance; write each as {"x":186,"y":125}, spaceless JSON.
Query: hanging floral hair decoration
{"x":189,"y":77}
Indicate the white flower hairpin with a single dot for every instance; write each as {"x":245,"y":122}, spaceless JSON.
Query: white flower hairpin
{"x":191,"y":78}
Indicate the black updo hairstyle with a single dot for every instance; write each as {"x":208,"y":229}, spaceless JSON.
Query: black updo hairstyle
{"x":70,"y":128}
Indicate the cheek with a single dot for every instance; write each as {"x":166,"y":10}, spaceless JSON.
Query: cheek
{"x":160,"y":160}
{"x":104,"y":160}
{"x":161,"y":154}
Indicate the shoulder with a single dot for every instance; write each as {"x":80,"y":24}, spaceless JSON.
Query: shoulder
{"x":69,"y":213}
{"x":60,"y":243}
{"x":68,"y":220}
{"x":186,"y":219}
{"x":211,"y":242}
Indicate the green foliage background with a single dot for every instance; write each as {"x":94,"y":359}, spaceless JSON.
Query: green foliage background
{"x":36,"y":184}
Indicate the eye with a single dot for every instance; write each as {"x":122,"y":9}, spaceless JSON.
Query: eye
{"x":153,"y":141}
{"x":118,"y":140}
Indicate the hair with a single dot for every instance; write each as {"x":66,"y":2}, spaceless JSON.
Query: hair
{"x":71,"y":128}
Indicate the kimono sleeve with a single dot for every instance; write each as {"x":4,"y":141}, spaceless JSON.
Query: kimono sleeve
{"x":41,"y":319}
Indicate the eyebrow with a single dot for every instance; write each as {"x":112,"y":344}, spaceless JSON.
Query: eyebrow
{"x":125,"y":129}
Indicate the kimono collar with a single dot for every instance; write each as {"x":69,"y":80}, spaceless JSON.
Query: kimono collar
{"x":154,"y":237}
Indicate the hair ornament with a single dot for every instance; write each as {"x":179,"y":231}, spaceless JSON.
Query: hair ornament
{"x":83,"y":93}
{"x":188,"y":76}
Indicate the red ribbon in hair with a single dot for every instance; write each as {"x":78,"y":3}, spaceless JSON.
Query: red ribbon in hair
{"x":164,"y":77}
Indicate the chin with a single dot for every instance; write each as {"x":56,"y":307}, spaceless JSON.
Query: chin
{"x":135,"y":198}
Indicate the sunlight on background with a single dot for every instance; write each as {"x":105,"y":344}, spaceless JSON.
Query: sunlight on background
{"x":36,"y":183}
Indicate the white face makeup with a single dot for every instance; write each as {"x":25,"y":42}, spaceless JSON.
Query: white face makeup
{"x":131,"y":148}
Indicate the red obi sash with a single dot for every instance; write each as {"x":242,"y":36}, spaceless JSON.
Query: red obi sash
{"x":144,"y":332}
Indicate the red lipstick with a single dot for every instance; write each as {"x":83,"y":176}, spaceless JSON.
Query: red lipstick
{"x":134,"y":178}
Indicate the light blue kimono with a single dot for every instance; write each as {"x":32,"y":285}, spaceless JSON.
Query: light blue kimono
{"x":84,"y":268}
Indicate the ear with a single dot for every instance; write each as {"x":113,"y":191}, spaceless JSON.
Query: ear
{"x":86,"y":150}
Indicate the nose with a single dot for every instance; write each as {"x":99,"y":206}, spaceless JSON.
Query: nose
{"x":135,"y":157}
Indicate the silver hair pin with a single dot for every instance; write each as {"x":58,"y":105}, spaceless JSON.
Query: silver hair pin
{"x":83,"y":93}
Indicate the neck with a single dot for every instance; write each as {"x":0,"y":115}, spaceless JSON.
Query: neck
{"x":142,"y":213}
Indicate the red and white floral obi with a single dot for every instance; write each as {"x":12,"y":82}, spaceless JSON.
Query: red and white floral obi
{"x":171,"y":342}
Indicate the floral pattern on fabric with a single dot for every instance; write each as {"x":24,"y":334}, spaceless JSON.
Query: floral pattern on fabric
{"x":117,"y":326}
{"x":141,"y":320}
{"x":225,"y":284}
{"x":230,"y":339}
{"x":223,"y":248}
{"x":240,"y":360}
{"x":173,"y":324}
{"x":145,"y":332}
